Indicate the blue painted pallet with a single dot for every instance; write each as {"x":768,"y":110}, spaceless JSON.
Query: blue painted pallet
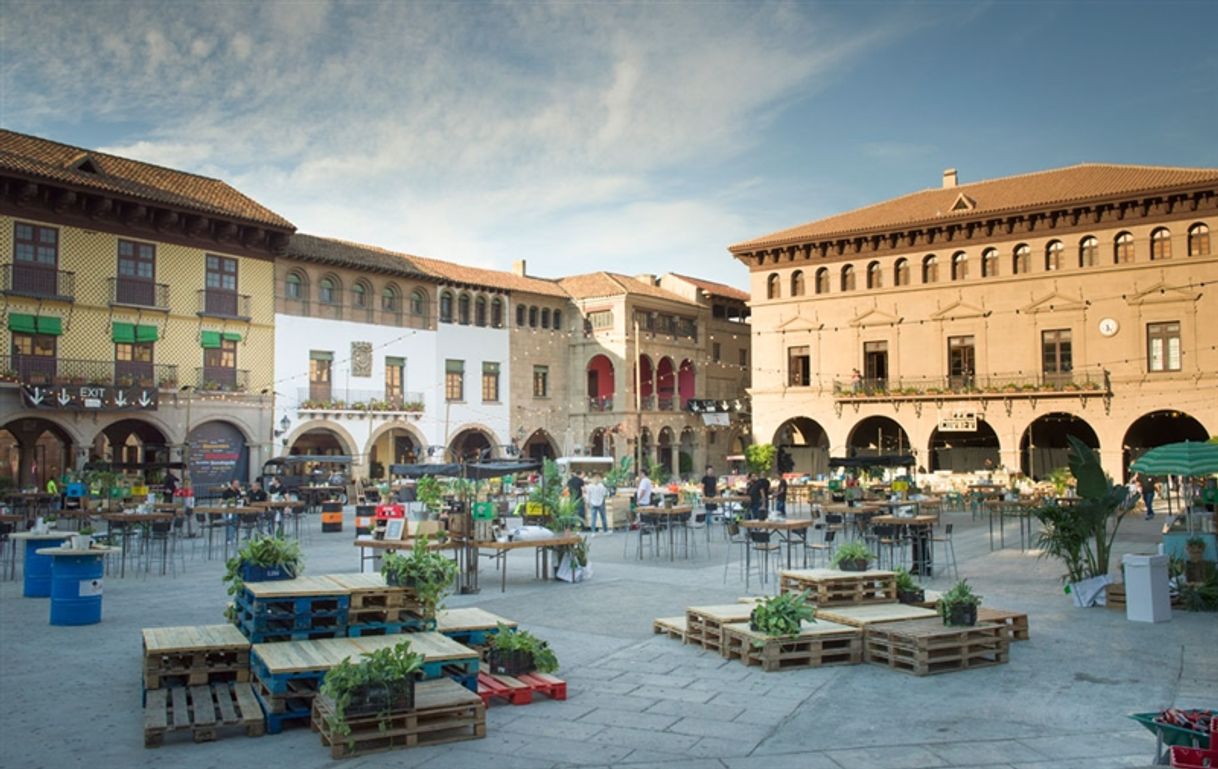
{"x":266,"y":624}
{"x":274,"y":636}
{"x":390,"y":628}
{"x":276,"y":721}
{"x":286,"y":684}
{"x":471,"y":637}
{"x":290,"y":606}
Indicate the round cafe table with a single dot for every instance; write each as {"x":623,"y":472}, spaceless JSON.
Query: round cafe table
{"x":36,"y":579}
{"x":76,"y":583}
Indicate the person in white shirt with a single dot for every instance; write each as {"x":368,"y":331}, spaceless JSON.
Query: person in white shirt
{"x":595,"y":494}
{"x":642,"y":495}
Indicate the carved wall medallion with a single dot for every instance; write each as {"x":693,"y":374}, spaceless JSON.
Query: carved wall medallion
{"x":361,"y":359}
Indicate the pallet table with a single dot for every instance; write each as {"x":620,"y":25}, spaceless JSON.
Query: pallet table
{"x":927,"y":646}
{"x":817,"y":644}
{"x":832,"y":587}
{"x":1015,"y":622}
{"x":190,"y":656}
{"x":471,"y":626}
{"x":704,"y":624}
{"x":871,"y":614}
{"x":298,"y":609}
{"x":519,"y":690}
{"x":202,"y":710}
{"x":673,"y":627}
{"x":443,"y":712}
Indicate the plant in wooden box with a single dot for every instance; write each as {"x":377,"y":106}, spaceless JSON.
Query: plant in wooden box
{"x":428,"y":572}
{"x":781,"y":615}
{"x":959,"y":605}
{"x":852,"y":556}
{"x":908,"y":591}
{"x":1081,"y":533}
{"x":514,"y":652}
{"x":382,"y":683}
{"x":263,"y":559}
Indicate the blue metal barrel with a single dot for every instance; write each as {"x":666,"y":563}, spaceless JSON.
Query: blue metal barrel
{"x":37,"y":568}
{"x":76,"y":589}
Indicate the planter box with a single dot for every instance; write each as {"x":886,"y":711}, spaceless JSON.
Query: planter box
{"x":509,"y":663}
{"x":393,"y":696}
{"x":254,"y":573}
{"x":961,"y":615}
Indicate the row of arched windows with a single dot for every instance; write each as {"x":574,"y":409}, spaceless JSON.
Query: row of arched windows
{"x":1019,"y":262}
{"x":534,"y":317}
{"x":362,"y":296}
{"x":471,"y":310}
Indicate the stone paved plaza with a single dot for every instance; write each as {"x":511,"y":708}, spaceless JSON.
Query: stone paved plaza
{"x":71,"y":696}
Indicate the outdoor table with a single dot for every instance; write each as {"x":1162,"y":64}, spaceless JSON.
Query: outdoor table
{"x":919,"y":527}
{"x":36,"y":579}
{"x":140,"y":519}
{"x":683,"y":511}
{"x":1001,"y":508}
{"x":313,"y":496}
{"x":280,"y":508}
{"x":788,"y":530}
{"x":76,"y":584}
{"x":470,"y":625}
{"x":543,"y":553}
{"x":213,"y":513}
{"x":393,"y":545}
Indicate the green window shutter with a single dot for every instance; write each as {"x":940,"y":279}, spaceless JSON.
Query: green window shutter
{"x":209,"y":339}
{"x":454,"y":366}
{"x":146,"y":334}
{"x":320,"y":355}
{"x":231,"y":336}
{"x":50,"y":325}
{"x":22,"y":324}
{"x":490,"y":368}
{"x":122,"y":333}
{"x":394,"y":362}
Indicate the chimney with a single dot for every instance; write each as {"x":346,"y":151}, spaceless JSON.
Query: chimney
{"x":646,"y":278}
{"x":949,"y":178}
{"x":518,"y":267}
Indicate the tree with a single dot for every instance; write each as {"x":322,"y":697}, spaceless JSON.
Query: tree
{"x":760,"y":458}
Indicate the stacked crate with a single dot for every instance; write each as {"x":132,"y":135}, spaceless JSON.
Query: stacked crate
{"x":298,"y":609}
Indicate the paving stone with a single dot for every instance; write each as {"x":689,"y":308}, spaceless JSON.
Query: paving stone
{"x":705,"y":727}
{"x":896,"y":757}
{"x":639,"y":666}
{"x":641,"y":759}
{"x":694,"y":710}
{"x":1092,"y":745}
{"x":783,"y":761}
{"x":985,"y":752}
{"x":607,"y":700}
{"x":678,"y":680}
{"x":1107,"y":762}
{"x":684,"y":695}
{"x":553,"y":727}
{"x":629,"y":718}
{"x":723,"y":747}
{"x":645,"y":739}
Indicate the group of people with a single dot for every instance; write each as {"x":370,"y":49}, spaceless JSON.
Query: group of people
{"x":589,"y":499}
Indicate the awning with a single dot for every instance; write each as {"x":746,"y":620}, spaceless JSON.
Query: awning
{"x":22,"y":323}
{"x":122,"y":333}
{"x":231,"y":336}
{"x":884,"y":460}
{"x":477,"y":470}
{"x":209,"y":340}
{"x":50,"y":325}
{"x":146,"y":333}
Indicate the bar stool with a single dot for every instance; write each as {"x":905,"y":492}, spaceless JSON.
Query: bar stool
{"x":951,"y":547}
{"x":825,"y":547}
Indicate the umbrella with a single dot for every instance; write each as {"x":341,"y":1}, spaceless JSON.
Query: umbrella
{"x":1186,"y":458}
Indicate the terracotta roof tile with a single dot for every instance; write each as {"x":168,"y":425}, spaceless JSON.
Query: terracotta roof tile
{"x":715,"y":289}
{"x":993,"y":196}
{"x":45,"y":159}
{"x":597,"y":284}
{"x":358,"y":255}
{"x":476,"y":276}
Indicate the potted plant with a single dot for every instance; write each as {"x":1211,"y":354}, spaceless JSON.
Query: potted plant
{"x":429,"y":573}
{"x":83,"y":539}
{"x":513,"y":652}
{"x":382,"y":683}
{"x":908,"y":591}
{"x":1196,"y":549}
{"x":263,"y":559}
{"x":782,"y":614}
{"x":959,"y":605}
{"x":852,"y":556}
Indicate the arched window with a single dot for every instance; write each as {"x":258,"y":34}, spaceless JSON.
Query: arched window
{"x":989,"y":263}
{"x":463,"y":309}
{"x":359,"y":294}
{"x":496,"y":313}
{"x":1160,"y":244}
{"x":389,"y":298}
{"x":797,"y":283}
{"x":959,"y":266}
{"x":875,"y":276}
{"x":418,"y":302}
{"x":822,"y":280}
{"x":900,"y":273}
{"x":521,"y":313}
{"x":1053,"y":256}
{"x":930,"y":269}
{"x":1122,"y":249}
{"x":532,"y":317}
{"x":327,"y":290}
{"x":545,"y":317}
{"x":1198,"y":240}
{"x":771,"y":286}
{"x":1020,"y":259}
{"x":446,"y":307}
{"x":558,"y":320}
{"x":1088,"y":252}
{"x":294,"y":286}
{"x":848,"y":278}
{"x":480,"y":311}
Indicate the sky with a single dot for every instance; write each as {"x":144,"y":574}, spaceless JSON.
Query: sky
{"x":633,"y":137}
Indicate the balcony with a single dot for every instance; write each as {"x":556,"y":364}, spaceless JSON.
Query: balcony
{"x":1080,"y":382}
{"x":665,"y":403}
{"x":647,"y":403}
{"x":37,"y":282}
{"x":220,"y":379}
{"x":600,"y":403}
{"x":139,"y":293}
{"x":343,"y":401}
{"x":224,"y":304}
{"x":39,"y":370}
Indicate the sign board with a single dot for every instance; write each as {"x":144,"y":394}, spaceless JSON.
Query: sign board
{"x":89,"y":397}
{"x":218,"y":454}
{"x":484,"y":511}
{"x":958,"y":422}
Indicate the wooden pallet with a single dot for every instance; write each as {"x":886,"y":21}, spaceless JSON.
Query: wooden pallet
{"x":832,"y":587}
{"x":203,"y":711}
{"x":443,"y":712}
{"x":818,"y":644}
{"x":1116,"y":596}
{"x":471,"y":626}
{"x":704,"y":624}
{"x":930,"y":599}
{"x":673,"y":627}
{"x":870,"y":614}
{"x":519,"y":690}
{"x":191,"y":656}
{"x":1016,"y":623}
{"x":927,"y":646}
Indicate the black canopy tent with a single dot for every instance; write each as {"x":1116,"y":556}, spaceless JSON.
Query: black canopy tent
{"x":289,"y":469}
{"x":118,"y":466}
{"x":882,"y":460}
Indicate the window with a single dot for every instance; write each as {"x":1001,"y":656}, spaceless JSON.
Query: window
{"x":875,"y":276}
{"x":497,"y":313}
{"x":327,"y":291}
{"x":521,"y":312}
{"x":454,"y":380}
{"x":822,"y":280}
{"x":960,"y":266}
{"x":930,"y":269}
{"x":37,"y":362}
{"x":418,"y":302}
{"x":463,"y":309}
{"x":1021,"y":259}
{"x":744,"y":357}
{"x":900,"y":273}
{"x":133,"y":363}
{"x":989,"y":263}
{"x":541,"y":381}
{"x":532,"y":317}
{"x":1122,"y":252}
{"x":389,"y":299}
{"x":799,"y":367}
{"x":1163,"y":346}
{"x":848,"y":278}
{"x":1053,"y":256}
{"x":221,"y":273}
{"x":1088,"y":252}
{"x":320,"y":362}
{"x":601,"y":319}
{"x":961,"y":360}
{"x":716,"y":351}
{"x":875,"y":364}
{"x":36,"y":246}
{"x":359,"y":294}
{"x":1057,"y":357}
{"x":1160,"y":244}
{"x":490,"y":382}
{"x":1198,"y":240}
{"x":446,"y":307}
{"x":545,"y":317}
{"x":480,"y":311}
{"x":293,"y":286}
{"x":557,"y":325}
{"x":797,"y":283}
{"x":772,"y":289}
{"x":220,"y":363}
{"x":395,"y":380}
{"x":136,"y":273}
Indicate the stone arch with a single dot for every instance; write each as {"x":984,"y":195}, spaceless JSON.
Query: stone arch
{"x":134,"y":439}
{"x":43,"y":449}
{"x":540,"y":445}
{"x":1044,"y":446}
{"x":666,"y":384}
{"x":877,"y":435}
{"x":470,"y":438}
{"x":964,"y":451}
{"x":1157,"y":428}
{"x":345,"y":441}
{"x":806,"y":442}
{"x":384,"y":445}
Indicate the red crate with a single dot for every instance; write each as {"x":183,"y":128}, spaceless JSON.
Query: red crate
{"x":1193,"y":758}
{"x":384,"y":511}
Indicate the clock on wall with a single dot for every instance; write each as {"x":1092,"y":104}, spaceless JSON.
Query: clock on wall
{"x":1109,"y":326}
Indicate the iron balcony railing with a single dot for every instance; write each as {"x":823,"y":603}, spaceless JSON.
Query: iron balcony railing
{"x":220,"y":379}
{"x":315,"y":398}
{"x":40,"y":370}
{"x":600,"y":403}
{"x":37,"y":281}
{"x":1095,"y":380}
{"x":665,"y":403}
{"x":224,"y":304}
{"x":139,"y":293}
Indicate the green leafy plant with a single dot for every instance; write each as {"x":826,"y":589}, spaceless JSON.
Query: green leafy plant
{"x":548,"y":491}
{"x":427,"y":571}
{"x":508,"y":639}
{"x":266,"y":552}
{"x":1060,"y":478}
{"x":961,"y":595}
{"x":429,"y":491}
{"x":760,"y":457}
{"x":658,"y":473}
{"x":905,"y":582}
{"x":619,"y":476}
{"x":380,"y":672}
{"x":781,"y":615}
{"x":852,"y":551}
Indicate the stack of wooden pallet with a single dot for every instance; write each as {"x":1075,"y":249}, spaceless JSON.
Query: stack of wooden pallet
{"x":376,"y":608}
{"x":292,"y":609}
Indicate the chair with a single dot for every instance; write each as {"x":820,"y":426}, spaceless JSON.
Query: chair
{"x":825,"y":547}
{"x":8,"y":550}
{"x":951,"y":547}
{"x":164,"y":533}
{"x":760,"y":542}
{"x":735,"y":536}
{"x":646,"y":527}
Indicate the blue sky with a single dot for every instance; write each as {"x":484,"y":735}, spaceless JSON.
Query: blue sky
{"x":632,"y":137}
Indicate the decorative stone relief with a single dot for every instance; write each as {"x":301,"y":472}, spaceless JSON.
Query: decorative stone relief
{"x":361,"y":359}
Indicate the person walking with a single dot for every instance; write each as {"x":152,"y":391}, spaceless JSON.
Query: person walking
{"x":1148,"y":496}
{"x":575,"y":489}
{"x":758,"y":491}
{"x":595,"y":494}
{"x":710,"y":489}
{"x":780,"y":496}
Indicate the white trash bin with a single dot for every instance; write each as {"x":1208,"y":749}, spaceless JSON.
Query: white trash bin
{"x":1146,"y":595}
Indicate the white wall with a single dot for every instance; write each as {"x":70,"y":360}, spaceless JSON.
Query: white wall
{"x":473,"y":345}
